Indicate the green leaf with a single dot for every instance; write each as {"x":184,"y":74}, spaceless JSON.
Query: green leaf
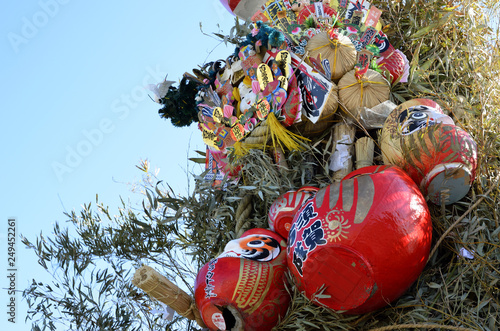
{"x":433,"y":26}
{"x":199,"y":160}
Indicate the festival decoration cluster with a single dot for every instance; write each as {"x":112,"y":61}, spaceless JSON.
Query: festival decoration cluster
{"x":304,"y":66}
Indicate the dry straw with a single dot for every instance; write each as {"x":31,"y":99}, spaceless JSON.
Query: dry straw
{"x":340,"y":52}
{"x":242,"y":215}
{"x":365,"y":147}
{"x":343,"y":148}
{"x":160,"y":288}
{"x":368,"y":91}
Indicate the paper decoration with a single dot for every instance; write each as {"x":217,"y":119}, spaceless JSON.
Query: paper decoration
{"x":160,"y":90}
{"x":215,"y":171}
{"x":315,"y":89}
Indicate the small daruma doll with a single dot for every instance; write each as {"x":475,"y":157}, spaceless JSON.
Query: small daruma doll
{"x":358,"y":244}
{"x":439,"y":156}
{"x":244,"y":287}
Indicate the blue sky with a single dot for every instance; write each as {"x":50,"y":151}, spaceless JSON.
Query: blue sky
{"x":76,"y":119}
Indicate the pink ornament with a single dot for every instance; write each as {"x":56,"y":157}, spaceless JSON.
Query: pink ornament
{"x":397,"y":64}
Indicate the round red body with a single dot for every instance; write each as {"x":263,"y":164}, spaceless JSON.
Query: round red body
{"x":440,"y":157}
{"x":360,"y":243}
{"x":244,"y":288}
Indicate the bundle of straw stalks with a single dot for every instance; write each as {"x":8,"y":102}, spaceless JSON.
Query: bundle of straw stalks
{"x":339,"y":51}
{"x":368,"y":91}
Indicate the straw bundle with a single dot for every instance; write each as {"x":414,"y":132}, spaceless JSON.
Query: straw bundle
{"x":343,"y":148}
{"x":340,"y":52}
{"x":368,"y":91}
{"x":160,"y":288}
{"x":242,"y":213}
{"x":258,"y":136}
{"x":365,"y":147}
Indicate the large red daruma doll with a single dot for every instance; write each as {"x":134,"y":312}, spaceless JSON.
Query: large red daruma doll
{"x":244,"y":287}
{"x":361,"y":242}
{"x":439,"y":156}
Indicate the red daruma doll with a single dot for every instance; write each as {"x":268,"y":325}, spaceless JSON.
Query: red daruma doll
{"x":440,"y":157}
{"x":358,"y":244}
{"x":244,"y":287}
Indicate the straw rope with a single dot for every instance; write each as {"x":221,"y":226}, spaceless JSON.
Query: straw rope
{"x":159,"y":287}
{"x":242,"y":213}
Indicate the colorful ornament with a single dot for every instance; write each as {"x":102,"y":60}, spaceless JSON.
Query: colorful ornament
{"x":440,"y":157}
{"x":244,"y":288}
{"x":319,"y":11}
{"x":358,"y":244}
{"x":397,"y":64}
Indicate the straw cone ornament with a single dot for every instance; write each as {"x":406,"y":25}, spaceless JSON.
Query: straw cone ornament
{"x":258,"y":136}
{"x":160,"y":288}
{"x":270,"y":130}
{"x":339,"y":52}
{"x":368,"y":91}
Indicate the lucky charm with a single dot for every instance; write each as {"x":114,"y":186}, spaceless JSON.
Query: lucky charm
{"x":358,"y":244}
{"x":438,"y":155}
{"x":244,"y":287}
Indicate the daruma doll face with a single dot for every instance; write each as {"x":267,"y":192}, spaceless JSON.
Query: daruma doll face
{"x":439,"y":156}
{"x":244,"y":288}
